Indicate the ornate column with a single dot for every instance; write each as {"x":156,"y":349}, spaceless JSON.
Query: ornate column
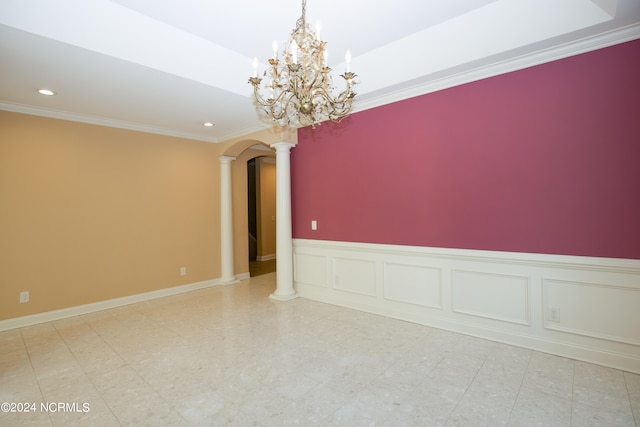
{"x":284,"y":241}
{"x":226,"y":221}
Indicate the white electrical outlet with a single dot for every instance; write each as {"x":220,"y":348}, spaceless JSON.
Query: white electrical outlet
{"x":183,"y":271}
{"x":24,"y":297}
{"x":314,"y":225}
{"x":554,"y":314}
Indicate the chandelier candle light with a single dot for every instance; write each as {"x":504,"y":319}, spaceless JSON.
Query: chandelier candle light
{"x":298,"y":89}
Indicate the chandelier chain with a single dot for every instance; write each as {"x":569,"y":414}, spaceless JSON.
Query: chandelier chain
{"x":302,"y":21}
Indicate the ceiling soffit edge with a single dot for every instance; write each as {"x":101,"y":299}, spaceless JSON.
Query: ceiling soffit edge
{"x":587,"y":44}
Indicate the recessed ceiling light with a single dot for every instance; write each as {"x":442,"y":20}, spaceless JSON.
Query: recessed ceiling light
{"x":46,"y":92}
{"x":208,"y":124}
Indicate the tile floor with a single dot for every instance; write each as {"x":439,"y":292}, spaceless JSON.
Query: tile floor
{"x":230,"y":356}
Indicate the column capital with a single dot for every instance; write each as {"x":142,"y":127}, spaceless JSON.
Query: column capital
{"x":282,"y":146}
{"x":227,"y":159}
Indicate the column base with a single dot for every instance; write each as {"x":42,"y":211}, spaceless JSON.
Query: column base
{"x":231,"y":281}
{"x":277,"y":297}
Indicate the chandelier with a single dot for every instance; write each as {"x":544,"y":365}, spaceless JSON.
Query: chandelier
{"x":298,"y":91}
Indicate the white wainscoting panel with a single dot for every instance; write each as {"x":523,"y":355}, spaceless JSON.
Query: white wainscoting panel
{"x":491,"y":295}
{"x":584,"y":308}
{"x":310,"y":269}
{"x":354,"y":275}
{"x":594,"y":310}
{"x":413,"y":284}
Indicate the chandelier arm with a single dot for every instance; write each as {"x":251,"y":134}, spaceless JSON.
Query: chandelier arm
{"x":312,"y":89}
{"x":262,"y":101}
{"x":283,"y":110}
{"x":326,"y":95}
{"x":340,"y":110}
{"x":330,"y":98}
{"x":259,"y":98}
{"x":346,"y":94}
{"x":278,"y":98}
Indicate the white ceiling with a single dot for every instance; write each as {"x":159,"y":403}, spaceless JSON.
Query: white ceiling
{"x":168,"y":66}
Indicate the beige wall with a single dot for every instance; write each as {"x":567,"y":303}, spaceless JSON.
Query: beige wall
{"x":89,"y":213}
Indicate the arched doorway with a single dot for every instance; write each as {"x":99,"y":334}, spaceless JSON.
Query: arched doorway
{"x":285,"y":140}
{"x":261,"y":214}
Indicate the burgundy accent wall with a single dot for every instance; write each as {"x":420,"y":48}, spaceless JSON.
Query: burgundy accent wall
{"x":542,"y":160}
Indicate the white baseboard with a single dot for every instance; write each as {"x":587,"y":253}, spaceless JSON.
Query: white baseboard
{"x":49,"y":316}
{"x":265,"y":257}
{"x":585,"y":308}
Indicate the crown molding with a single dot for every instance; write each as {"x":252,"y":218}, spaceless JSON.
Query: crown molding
{"x":101,"y":121}
{"x":256,"y":127}
{"x":542,"y":56}
{"x":94,"y":120}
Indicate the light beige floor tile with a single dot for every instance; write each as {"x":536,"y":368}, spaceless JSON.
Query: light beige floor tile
{"x":367,"y":406}
{"x":606,"y":380}
{"x":14,"y":363}
{"x":485,"y":403}
{"x":347,"y":370}
{"x":585,"y":415}
{"x":230,"y":356}
{"x":256,"y":407}
{"x":411,"y":369}
{"x":603,"y":388}
{"x":429,"y":404}
{"x":537,"y":409}
{"x":506,"y":365}
{"x":20,"y":390}
{"x":88,"y":413}
{"x":108,"y":377}
{"x":70,"y":385}
{"x":550,"y":374}
{"x":11,"y":341}
{"x":35,"y":419}
{"x":52,"y":359}
{"x":199,"y":408}
{"x":633,"y":387}
{"x":136,"y":403}
{"x":457,"y":368}
{"x":40,"y":334}
{"x":602,"y":399}
{"x":310,"y":409}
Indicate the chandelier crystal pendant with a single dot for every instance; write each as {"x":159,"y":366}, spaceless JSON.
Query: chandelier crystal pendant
{"x":298,"y":90}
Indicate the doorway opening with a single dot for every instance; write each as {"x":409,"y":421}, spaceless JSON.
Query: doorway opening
{"x":261,"y":187}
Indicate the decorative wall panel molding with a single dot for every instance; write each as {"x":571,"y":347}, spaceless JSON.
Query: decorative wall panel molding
{"x":310,"y":269}
{"x":354,"y":275}
{"x":494,"y":296}
{"x":413,"y":284}
{"x":604,"y":311}
{"x":584,"y":308}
